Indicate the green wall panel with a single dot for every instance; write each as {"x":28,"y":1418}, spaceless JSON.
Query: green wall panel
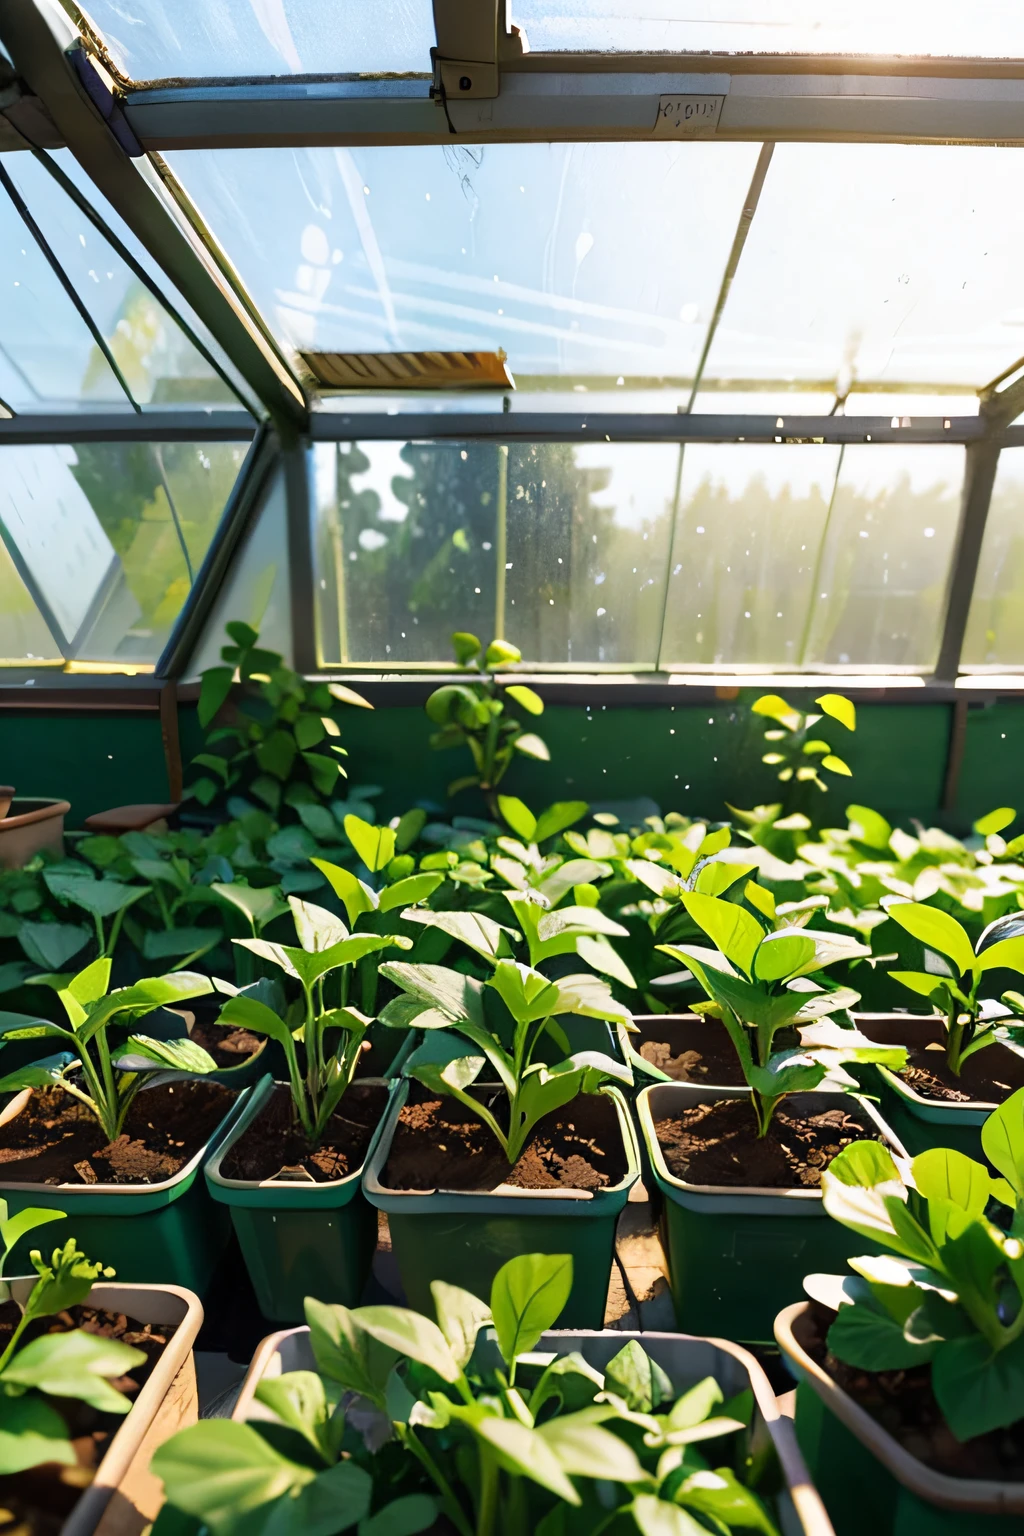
{"x":96,"y":760}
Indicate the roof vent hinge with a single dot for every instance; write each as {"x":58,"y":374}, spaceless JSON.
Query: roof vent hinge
{"x":474,"y":38}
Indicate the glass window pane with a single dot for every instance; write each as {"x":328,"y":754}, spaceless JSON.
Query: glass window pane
{"x":939,"y":27}
{"x":883,"y":568}
{"x":995,"y":629}
{"x":748,"y":537}
{"x":23,"y":632}
{"x":108,"y":536}
{"x":256,"y":588}
{"x":545,"y":250}
{"x":884,"y":263}
{"x":157,"y":39}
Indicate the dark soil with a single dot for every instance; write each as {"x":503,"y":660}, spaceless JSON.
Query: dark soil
{"x":274,"y":1144}
{"x":37,"y":1502}
{"x":990,"y":1076}
{"x":440,"y":1144}
{"x":903,"y":1403}
{"x":716,"y":1143}
{"x":55,"y":1140}
{"x":691,"y":1051}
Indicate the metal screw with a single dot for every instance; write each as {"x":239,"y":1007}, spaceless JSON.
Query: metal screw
{"x":465,"y":84}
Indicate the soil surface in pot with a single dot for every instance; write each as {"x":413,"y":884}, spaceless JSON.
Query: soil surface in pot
{"x":691,"y":1051}
{"x":990,"y":1076}
{"x":38,"y":1501}
{"x":716,"y":1143}
{"x":274,"y":1146}
{"x":903,"y":1403}
{"x":228,"y":1047}
{"x":55,"y":1140}
{"x":440,"y":1144}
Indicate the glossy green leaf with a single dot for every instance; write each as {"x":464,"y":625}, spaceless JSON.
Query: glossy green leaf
{"x":634,"y":1376}
{"x":409,"y":1333}
{"x":720,"y":1495}
{"x":871,"y":1340}
{"x":774,"y":707}
{"x":978,"y":1391}
{"x":558,"y":817}
{"x":52,"y":945}
{"x":299,"y":1400}
{"x":936,"y":930}
{"x":355,"y":896}
{"x":527,"y":1297}
{"x":477,"y":931}
{"x":220,"y":1471}
{"x":374,"y":845}
{"x":531,"y":745}
{"x":317,"y":929}
{"x":406,"y":1516}
{"x":867,"y":826}
{"x":526,"y":698}
{"x":177,"y":1055}
{"x":995,"y":821}
{"x":460,"y":1316}
{"x":261,"y":904}
{"x":345,"y":1354}
{"x":518,"y":817}
{"x":657,"y":1517}
{"x":839,"y":708}
{"x":214,"y":687}
{"x":409,"y":891}
{"x":457,"y":996}
{"x":75,"y":1364}
{"x":466,"y":647}
{"x":32,"y":1432}
{"x":941,"y":1173}
{"x":586,"y":1450}
{"x":782,"y":954}
{"x":921,"y":982}
{"x":346,"y":695}
{"x":736,"y":932}
{"x":525,"y":1453}
{"x":1002,"y":1141}
{"x":1008,"y":953}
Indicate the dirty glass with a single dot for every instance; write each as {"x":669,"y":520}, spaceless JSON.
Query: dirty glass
{"x":157,"y":39}
{"x":878,"y":263}
{"x":547,"y":251}
{"x":562,"y":546}
{"x":107,"y":538}
{"x":995,"y":629}
{"x":256,"y":589}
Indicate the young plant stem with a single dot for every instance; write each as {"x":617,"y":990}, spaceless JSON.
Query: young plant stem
{"x":23,"y":1323}
{"x":489,"y":1482}
{"x":450,"y":1504}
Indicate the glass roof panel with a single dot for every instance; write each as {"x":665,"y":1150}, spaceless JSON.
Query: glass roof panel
{"x":160,"y":39}
{"x":546,"y":250}
{"x":884,"y":263}
{"x":256,"y":588}
{"x":107,"y":538}
{"x":995,"y":628}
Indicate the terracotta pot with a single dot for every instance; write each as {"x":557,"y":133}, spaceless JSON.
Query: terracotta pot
{"x":35,"y":825}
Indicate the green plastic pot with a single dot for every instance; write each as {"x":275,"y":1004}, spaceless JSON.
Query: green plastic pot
{"x":866,"y":1478}
{"x":297,"y":1239}
{"x":922,"y":1123}
{"x":169,"y":1233}
{"x":737,"y":1256}
{"x":465,"y":1238}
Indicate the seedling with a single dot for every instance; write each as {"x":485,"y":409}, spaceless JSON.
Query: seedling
{"x":468,"y":1022}
{"x":949,"y":1293}
{"x":761,"y":981}
{"x":472,"y":1426}
{"x":107,"y":1079}
{"x":796,"y":752}
{"x":971,"y":1022}
{"x":72,"y":1364}
{"x":325,"y":947}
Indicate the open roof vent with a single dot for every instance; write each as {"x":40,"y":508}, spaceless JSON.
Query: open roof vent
{"x":408,"y":370}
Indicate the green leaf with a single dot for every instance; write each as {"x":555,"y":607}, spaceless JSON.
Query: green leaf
{"x":526,"y":993}
{"x":457,"y":996}
{"x":12,"y":1228}
{"x":261,"y":904}
{"x":356,"y":897}
{"x":345,"y":1353}
{"x":346,"y":695}
{"x":474,"y":929}
{"x":782,"y":954}
{"x":299,"y":1400}
{"x":406,"y":892}
{"x":921,"y":982}
{"x":867,"y":826}
{"x":276,"y":754}
{"x":32,"y":1432}
{"x":657,"y":1517}
{"x":518,"y":817}
{"x":466,"y":647}
{"x":557,"y":817}
{"x":776,"y":708}
{"x":532,"y":746}
{"x":839,"y":708}
{"x":995,"y":821}
{"x":214,"y":687}
{"x":942,"y":1173}
{"x":409,"y":828}
{"x":1007,"y":952}
{"x":142,"y":1052}
{"x":527,"y":1297}
{"x":721,"y":1496}
{"x":501,"y":653}
{"x":869,"y":1339}
{"x":167,"y":943}
{"x":219,"y":1471}
{"x":145,"y":996}
{"x":316,"y":928}
{"x":51,"y":945}
{"x":74,"y":1365}
{"x":244,"y":635}
{"x":324,"y":771}
{"x":530,"y":701}
{"x":1002,"y":1141}
{"x":374,"y":845}
{"x":410,"y":1334}
{"x":936,"y":930}
{"x":978,"y":1391}
{"x":736,"y":932}
{"x":525,"y":1453}
{"x":634,"y":1376}
{"x":460,"y":1316}
{"x":406,"y":1516}
{"x":836,"y":765}
{"x":585,"y":1449}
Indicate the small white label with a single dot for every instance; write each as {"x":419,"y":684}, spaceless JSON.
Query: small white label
{"x":687,"y":117}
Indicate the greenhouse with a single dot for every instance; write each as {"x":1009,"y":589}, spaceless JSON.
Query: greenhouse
{"x":508,"y":1039}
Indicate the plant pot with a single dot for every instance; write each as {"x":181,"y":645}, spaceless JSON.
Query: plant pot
{"x":867,"y":1479}
{"x":921,"y":1122}
{"x":737,"y":1256}
{"x":31,"y":827}
{"x":685,"y":1360}
{"x":124,"y":1496}
{"x":169,"y":1233}
{"x":465,"y":1238}
{"x":297,"y":1239}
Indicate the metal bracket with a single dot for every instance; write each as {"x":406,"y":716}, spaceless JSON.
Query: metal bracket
{"x":474,"y":38}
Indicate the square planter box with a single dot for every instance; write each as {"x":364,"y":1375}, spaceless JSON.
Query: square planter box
{"x":297,"y":1239}
{"x":465,"y":1238}
{"x":737,"y":1256}
{"x":124,"y":1496}
{"x":869,"y":1482}
{"x":152,"y":1234}
{"x":685,"y":1360}
{"x":920,"y":1122}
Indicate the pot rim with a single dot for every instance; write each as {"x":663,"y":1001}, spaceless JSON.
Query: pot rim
{"x":743,"y":1191}
{"x":381,"y":1195}
{"x":934,"y":1109}
{"x":49,"y":810}
{"x":980,"y":1495}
